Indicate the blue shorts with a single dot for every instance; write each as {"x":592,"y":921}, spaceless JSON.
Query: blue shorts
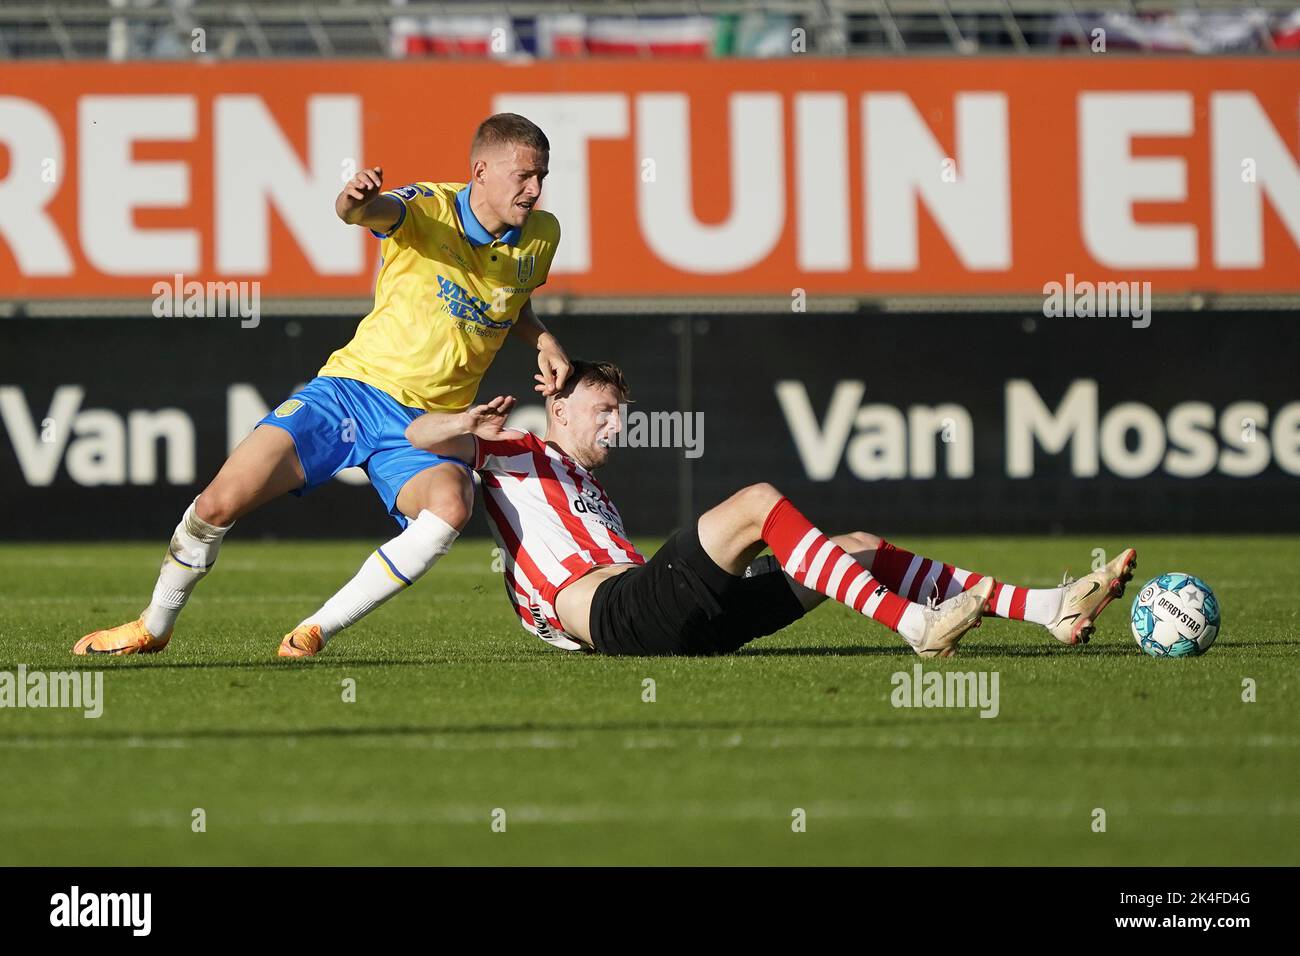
{"x":339,"y":423}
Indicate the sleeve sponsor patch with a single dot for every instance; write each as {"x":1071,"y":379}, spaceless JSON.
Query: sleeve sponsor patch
{"x":413,"y":191}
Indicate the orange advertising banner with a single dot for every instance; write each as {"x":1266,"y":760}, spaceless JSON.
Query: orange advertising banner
{"x":867,"y":176}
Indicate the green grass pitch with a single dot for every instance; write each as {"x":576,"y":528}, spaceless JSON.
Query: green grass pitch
{"x":459,"y":713}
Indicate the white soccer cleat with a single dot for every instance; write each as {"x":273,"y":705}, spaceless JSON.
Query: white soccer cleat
{"x":1087,"y":597}
{"x":946,"y":623}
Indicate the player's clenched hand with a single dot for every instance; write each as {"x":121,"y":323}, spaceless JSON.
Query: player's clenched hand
{"x":358,"y":192}
{"x":489,"y":421}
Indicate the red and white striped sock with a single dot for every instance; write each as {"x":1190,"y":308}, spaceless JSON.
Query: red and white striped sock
{"x":818,"y":563}
{"x":917,"y":578}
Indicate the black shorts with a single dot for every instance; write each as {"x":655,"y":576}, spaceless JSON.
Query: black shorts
{"x":681,"y":602}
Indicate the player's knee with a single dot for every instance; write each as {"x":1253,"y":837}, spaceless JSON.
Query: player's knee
{"x":453,"y":508}
{"x":858,"y":541}
{"x":759,"y":498}
{"x":456,"y":514}
{"x":445,"y":490}
{"x":761,"y":493}
{"x":217,"y":507}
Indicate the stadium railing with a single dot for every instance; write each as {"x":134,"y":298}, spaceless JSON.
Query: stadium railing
{"x":136,"y":29}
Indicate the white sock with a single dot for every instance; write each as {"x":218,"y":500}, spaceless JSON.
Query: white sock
{"x":391,"y":568}
{"x":190,"y":556}
{"x":1042,"y":605}
{"x":911,"y":626}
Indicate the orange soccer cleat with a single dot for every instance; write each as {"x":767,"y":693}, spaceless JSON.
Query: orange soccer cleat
{"x":303,"y":641}
{"x":129,"y":638}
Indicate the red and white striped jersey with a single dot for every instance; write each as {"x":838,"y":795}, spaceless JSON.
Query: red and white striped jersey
{"x":553,"y":523}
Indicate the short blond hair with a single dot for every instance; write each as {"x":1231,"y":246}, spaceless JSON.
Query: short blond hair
{"x":508,"y":129}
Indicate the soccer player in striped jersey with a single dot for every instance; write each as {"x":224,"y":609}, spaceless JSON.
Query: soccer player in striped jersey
{"x":460,"y":264}
{"x":577,"y":581}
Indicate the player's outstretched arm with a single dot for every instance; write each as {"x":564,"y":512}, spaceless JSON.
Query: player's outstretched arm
{"x":362,"y":204}
{"x":552,"y":361}
{"x":452,"y":433}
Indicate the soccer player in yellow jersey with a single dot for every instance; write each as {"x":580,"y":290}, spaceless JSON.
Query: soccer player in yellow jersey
{"x":460,"y":262}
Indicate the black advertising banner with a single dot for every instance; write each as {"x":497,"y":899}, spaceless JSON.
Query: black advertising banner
{"x":110,"y":427}
{"x":970,"y":423}
{"x":1011,"y":423}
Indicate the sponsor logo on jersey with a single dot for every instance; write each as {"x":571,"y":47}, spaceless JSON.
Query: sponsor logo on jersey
{"x":462,"y":305}
{"x":461,"y":260}
{"x":539,"y":620}
{"x":288,"y":408}
{"x":412,"y":192}
{"x":589,"y":502}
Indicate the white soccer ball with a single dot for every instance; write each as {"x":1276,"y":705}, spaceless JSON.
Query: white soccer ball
{"x":1175,"y":615}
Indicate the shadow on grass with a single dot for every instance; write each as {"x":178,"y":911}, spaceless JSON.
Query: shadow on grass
{"x":820,"y":651}
{"x":1050,"y":650}
{"x":968,"y":651}
{"x":564,"y":727}
{"x":138,"y":664}
{"x":1129,"y":649}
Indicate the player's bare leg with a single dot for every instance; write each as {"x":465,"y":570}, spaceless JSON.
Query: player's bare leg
{"x":264,"y":466}
{"x":1069,"y":612}
{"x":438,"y":502}
{"x":734,"y":532}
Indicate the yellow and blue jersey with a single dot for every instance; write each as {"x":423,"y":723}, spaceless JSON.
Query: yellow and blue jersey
{"x":447,"y":295}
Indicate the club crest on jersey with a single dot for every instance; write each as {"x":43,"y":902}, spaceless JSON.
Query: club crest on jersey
{"x":524,"y":267}
{"x":288,"y":408}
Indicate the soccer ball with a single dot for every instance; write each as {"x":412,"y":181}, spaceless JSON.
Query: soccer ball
{"x":1175,"y":615}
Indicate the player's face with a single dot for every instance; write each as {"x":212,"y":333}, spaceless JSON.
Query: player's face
{"x":512,"y":182}
{"x":593,"y":419}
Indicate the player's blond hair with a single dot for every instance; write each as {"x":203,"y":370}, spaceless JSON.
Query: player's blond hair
{"x":508,"y":129}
